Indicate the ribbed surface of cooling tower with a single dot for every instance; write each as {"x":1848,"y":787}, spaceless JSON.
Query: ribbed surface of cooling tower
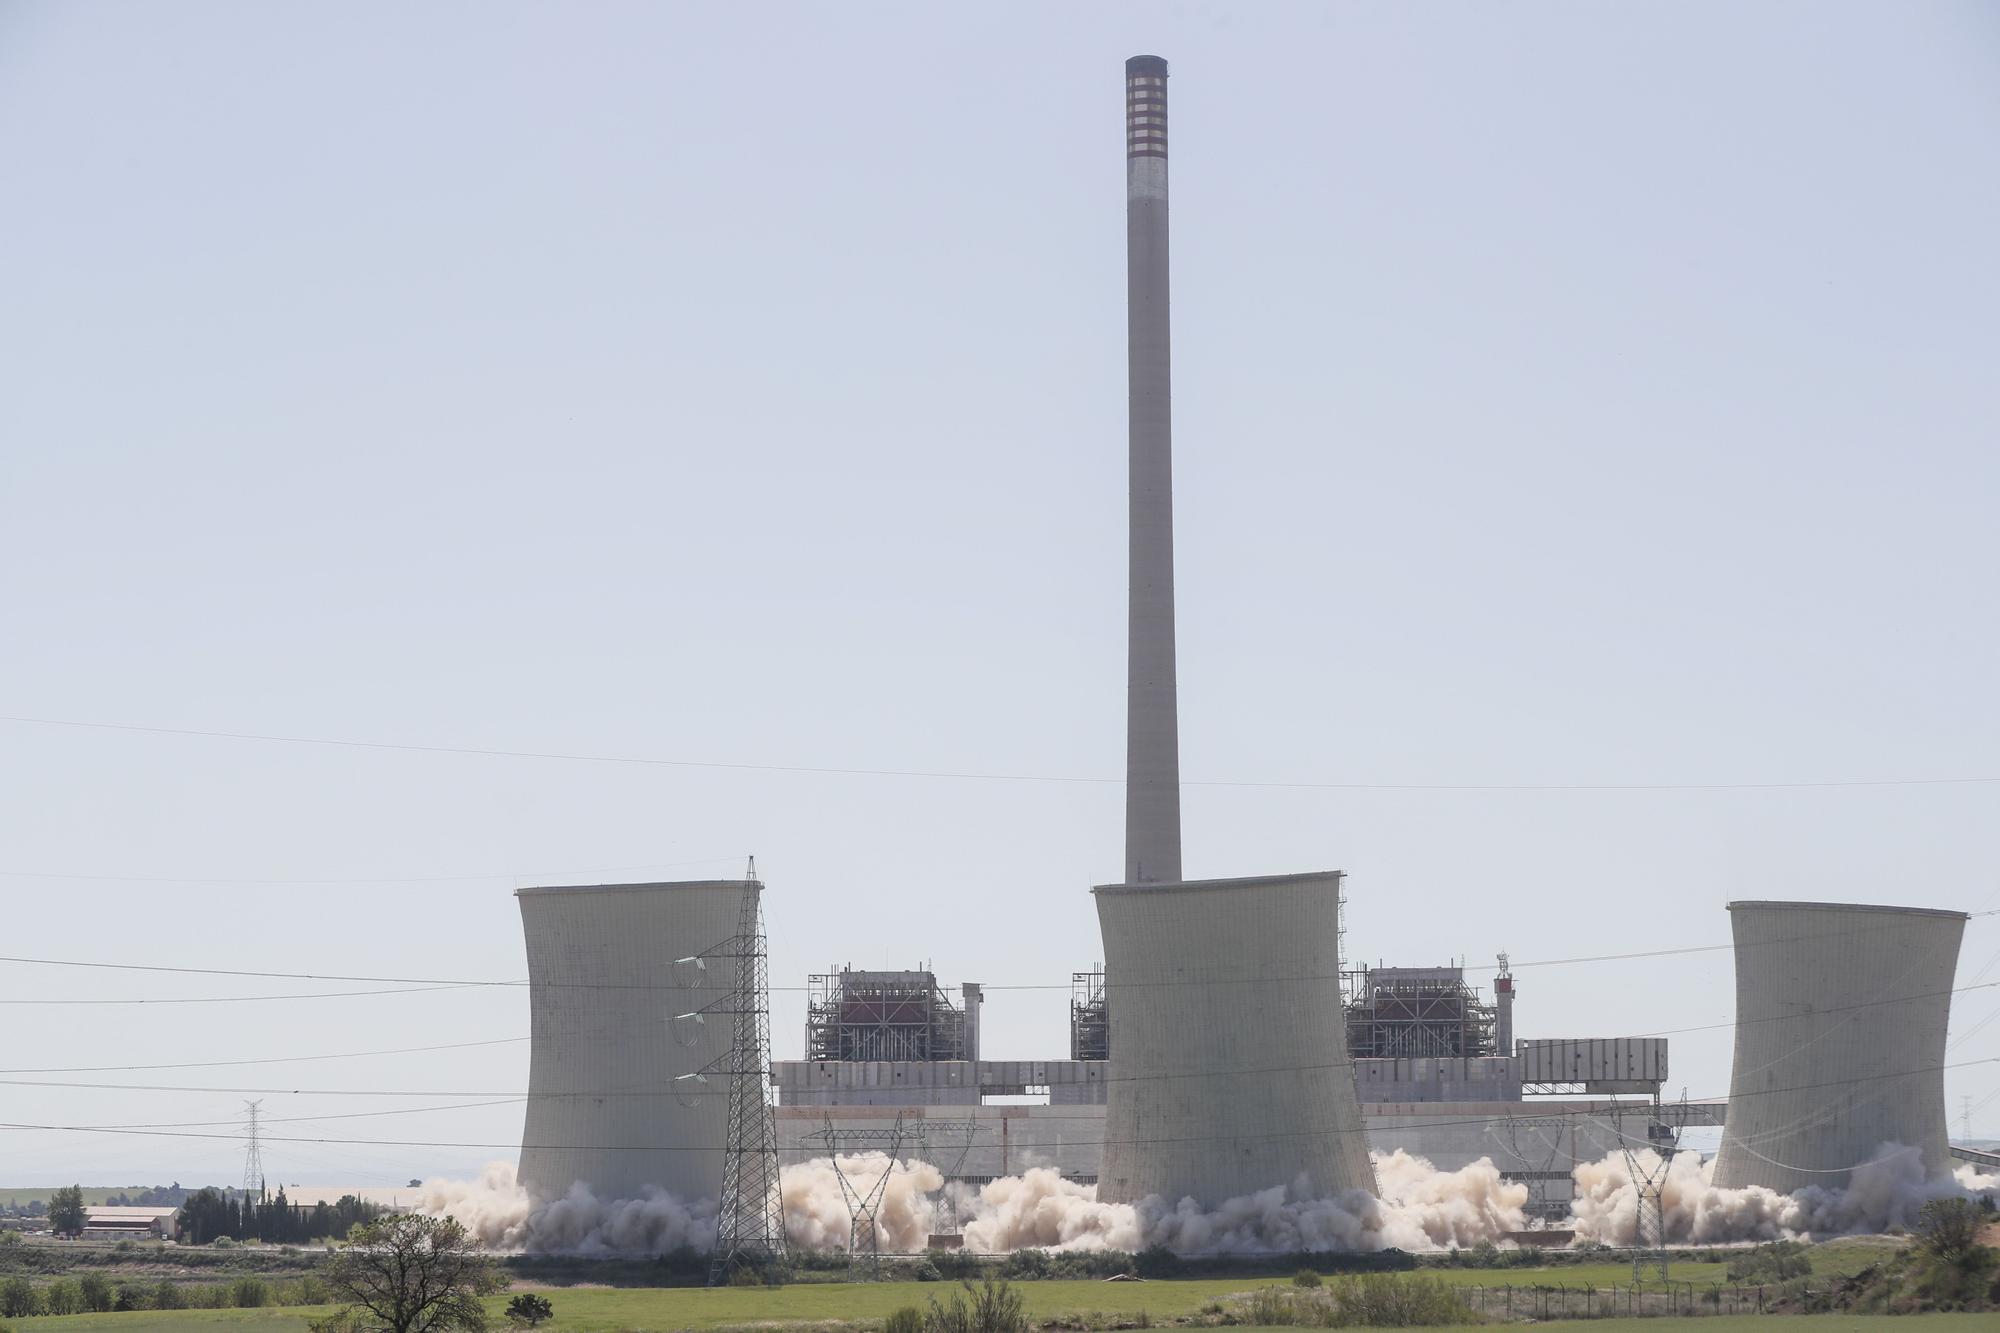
{"x":1841,"y":1011}
{"x":1229,"y":1070}
{"x":614,"y":971}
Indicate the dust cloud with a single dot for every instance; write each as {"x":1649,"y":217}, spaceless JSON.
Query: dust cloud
{"x":1885,"y":1192}
{"x":1419,"y":1208}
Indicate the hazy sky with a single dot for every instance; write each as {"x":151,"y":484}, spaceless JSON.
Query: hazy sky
{"x":1566,"y":394}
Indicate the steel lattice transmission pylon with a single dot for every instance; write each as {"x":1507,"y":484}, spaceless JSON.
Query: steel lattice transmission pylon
{"x":750,"y":1217}
{"x":1649,"y":1184}
{"x":864,"y":1196}
{"x":253,"y":1153}
{"x":1535,"y":1142}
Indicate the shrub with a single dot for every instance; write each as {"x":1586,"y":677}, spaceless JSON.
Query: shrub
{"x":993,"y":1308}
{"x":249,"y":1293}
{"x":1158,"y":1261}
{"x":1372,"y":1300}
{"x":528,"y":1310}
{"x":224,"y":1242}
{"x":1305,"y":1277}
{"x":97,"y":1294}
{"x":62,"y":1297}
{"x":167,"y":1296}
{"x":1027,"y":1264}
{"x":1775,"y":1262}
{"x":1948,"y":1228}
{"x":19,"y":1299}
{"x":1380,"y":1300}
{"x":909,"y":1319}
{"x":953,"y":1264}
{"x":9,"y":1238}
{"x":308,"y":1290}
{"x":926,"y":1271}
{"x":130,"y":1297}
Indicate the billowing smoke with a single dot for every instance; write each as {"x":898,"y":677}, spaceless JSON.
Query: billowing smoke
{"x":496,"y":1209}
{"x":816,"y":1209}
{"x":1040,"y":1210}
{"x":1887,"y":1191}
{"x":1421,"y":1208}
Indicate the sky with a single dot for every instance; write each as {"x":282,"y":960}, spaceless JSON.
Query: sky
{"x":1575,"y":399}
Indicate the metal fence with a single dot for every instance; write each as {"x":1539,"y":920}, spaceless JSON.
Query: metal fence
{"x":1564,"y":1302}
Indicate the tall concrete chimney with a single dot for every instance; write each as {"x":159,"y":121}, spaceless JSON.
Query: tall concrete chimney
{"x":1152,"y":719}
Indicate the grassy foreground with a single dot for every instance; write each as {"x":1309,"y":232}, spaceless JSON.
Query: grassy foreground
{"x":643,"y":1309}
{"x":583,"y":1312}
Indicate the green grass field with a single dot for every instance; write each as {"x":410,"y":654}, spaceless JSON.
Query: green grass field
{"x":618,"y":1310}
{"x":644,"y":1311}
{"x":93,"y":1194}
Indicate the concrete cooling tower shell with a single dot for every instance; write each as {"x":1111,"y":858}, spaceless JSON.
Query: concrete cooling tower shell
{"x":1229,"y":1069}
{"x":1841,"y":1012}
{"x":607,"y":1000}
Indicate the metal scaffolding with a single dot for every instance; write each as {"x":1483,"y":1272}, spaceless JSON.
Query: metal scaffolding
{"x":1415,"y":1013}
{"x":1089,"y":1016}
{"x":882,"y":1016}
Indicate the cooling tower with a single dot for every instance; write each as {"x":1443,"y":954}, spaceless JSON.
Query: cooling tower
{"x":614,"y":971}
{"x":1841,"y":1011}
{"x":1229,"y":1069}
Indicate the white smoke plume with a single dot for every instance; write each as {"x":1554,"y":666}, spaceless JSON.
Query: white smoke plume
{"x":816,"y":1211}
{"x":497,"y":1210}
{"x":1887,"y":1191}
{"x":1040,"y":1210}
{"x":1421,"y":1208}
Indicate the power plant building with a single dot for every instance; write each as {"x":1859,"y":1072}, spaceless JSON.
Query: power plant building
{"x":1841,"y":1012}
{"x":625,"y":987}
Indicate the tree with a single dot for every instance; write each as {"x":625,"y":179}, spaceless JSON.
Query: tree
{"x":408,"y":1274}
{"x":19,"y":1299}
{"x":1949,"y":1228}
{"x":66,"y":1211}
{"x":98,"y":1297}
{"x":528,"y":1309}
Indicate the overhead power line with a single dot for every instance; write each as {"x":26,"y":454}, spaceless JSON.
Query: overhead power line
{"x":459,"y":983}
{"x":1527,"y":1107}
{"x":247,"y":999}
{"x":975,"y":776}
{"x":515,"y":1041}
{"x":256,"y":880}
{"x":268,"y":1060}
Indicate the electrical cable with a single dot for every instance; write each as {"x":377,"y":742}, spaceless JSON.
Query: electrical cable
{"x":267,"y":1060}
{"x":447,"y":983}
{"x":558,"y":1147}
{"x":828,"y":770}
